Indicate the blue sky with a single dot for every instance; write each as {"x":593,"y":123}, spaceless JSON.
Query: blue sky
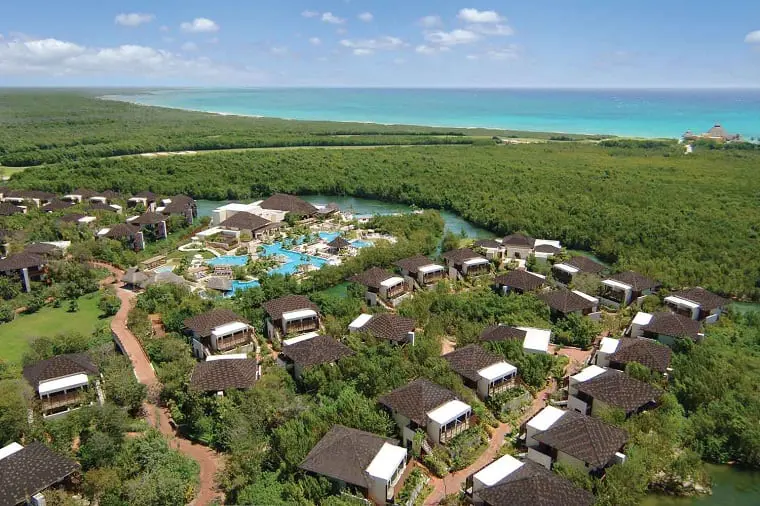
{"x":420,"y":43}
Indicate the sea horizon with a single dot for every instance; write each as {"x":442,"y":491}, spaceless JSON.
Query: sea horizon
{"x":628,"y":112}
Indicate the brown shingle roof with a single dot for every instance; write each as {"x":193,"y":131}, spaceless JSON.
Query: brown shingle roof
{"x":245,"y":221}
{"x":417,"y":399}
{"x":108,"y":194}
{"x":204,"y":323}
{"x":637,"y":281}
{"x":585,"y":438}
{"x":133,"y":276}
{"x":316,"y":351}
{"x":673,"y":325}
{"x":31,"y":470}
{"x":469,"y":360}
{"x":149,"y":218}
{"x":458,"y":256}
{"x":121,"y":231}
{"x":534,"y":485}
{"x":147,"y":195}
{"x":83,"y":192}
{"x":652,"y":354}
{"x":522,"y":280}
{"x":585,"y":264}
{"x":344,"y":454}
{"x":41,"y":249}
{"x":619,"y":390}
{"x":225,"y":374}
{"x":372,"y":277}
{"x":502,"y":333}
{"x":276,"y":307}
{"x":518,"y":241}
{"x":547,"y":248}
{"x":8,"y":209}
{"x":704,"y":298}
{"x":21,"y":261}
{"x":57,"y":205}
{"x":413,"y":264}
{"x":219,"y":283}
{"x":179,"y":204}
{"x":58,"y":367}
{"x":339,"y":243}
{"x":390,"y":326}
{"x":72,"y":218}
{"x":289,"y":203}
{"x":100,"y":206}
{"x":488,"y":243}
{"x":565,"y":301}
{"x":30,"y":194}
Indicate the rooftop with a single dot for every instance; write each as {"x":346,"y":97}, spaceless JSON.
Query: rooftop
{"x":287,"y":304}
{"x":469,"y":360}
{"x":706,"y":299}
{"x":245,"y":221}
{"x":288,"y":203}
{"x":637,"y":281}
{"x":413,"y":264}
{"x":673,"y":325}
{"x":316,"y":351}
{"x":522,"y":280}
{"x":416,"y":399}
{"x":502,"y":333}
{"x":585,"y":264}
{"x":373,"y":277}
{"x":459,"y":256}
{"x":221,"y":375}
{"x":30,"y":470}
{"x":619,"y":390}
{"x":519,"y":241}
{"x":58,"y":367}
{"x":149,"y":218}
{"x":566,"y":301}
{"x":649,"y":353}
{"x":390,"y":326}
{"x":204,"y":323}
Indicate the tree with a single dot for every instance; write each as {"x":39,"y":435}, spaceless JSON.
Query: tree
{"x":576,"y":330}
{"x":7,"y":313}
{"x":14,"y":404}
{"x":450,"y":241}
{"x":123,"y":388}
{"x":109,"y":303}
{"x":9,"y":288}
{"x":586,"y":283}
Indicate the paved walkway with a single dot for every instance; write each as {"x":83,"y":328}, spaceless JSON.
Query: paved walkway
{"x":158,"y":417}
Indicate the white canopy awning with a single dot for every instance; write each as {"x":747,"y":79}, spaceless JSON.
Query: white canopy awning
{"x":61,"y":384}
{"x":298,"y":315}
{"x":609,"y":345}
{"x":497,"y":370}
{"x":229,"y":328}
{"x":545,"y":418}
{"x":496,"y":471}
{"x":586,"y":296}
{"x":642,"y":318}
{"x":616,"y":284}
{"x":475,"y":261}
{"x":427,"y":269}
{"x":536,"y":339}
{"x":449,"y":411}
{"x":566,"y":268}
{"x":387,"y":460}
{"x":588,"y":373}
{"x":304,"y":337}
{"x":229,"y":356}
{"x":678,"y":301}
{"x":395,"y":280}
{"x":360,"y":321}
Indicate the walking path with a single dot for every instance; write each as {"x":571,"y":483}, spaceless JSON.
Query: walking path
{"x":158,"y":417}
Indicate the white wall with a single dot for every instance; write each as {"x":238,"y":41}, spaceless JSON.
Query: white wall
{"x":483,"y":388}
{"x":434,"y":431}
{"x":539,"y":458}
{"x":377,"y":490}
{"x":575,"y":404}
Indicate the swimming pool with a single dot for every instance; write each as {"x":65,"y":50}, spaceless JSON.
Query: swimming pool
{"x":164,"y":268}
{"x":294,"y":260}
{"x":243,"y":285}
{"x":236,"y":260}
{"x":361,"y":244}
{"x":331,"y":236}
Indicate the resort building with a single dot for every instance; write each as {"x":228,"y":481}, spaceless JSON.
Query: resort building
{"x":533,"y":340}
{"x":565,"y":271}
{"x":26,"y":267}
{"x":152,"y":225}
{"x":62,"y":383}
{"x":566,"y":302}
{"x":382,"y":286}
{"x":104,"y":197}
{"x":519,"y":282}
{"x":716,"y":133}
{"x":78,"y":219}
{"x":289,"y":204}
{"x":518,"y":246}
{"x":573,"y":439}
{"x":340,"y":246}
{"x":301,"y":353}
{"x":134,"y":279}
{"x":386,"y":326}
{"x":667,"y":328}
{"x":491,"y":248}
{"x":429,"y":407}
{"x":370,"y":464}
{"x":227,"y":211}
{"x":147,"y":200}
{"x":544,"y":249}
{"x":22,"y":197}
{"x":104,"y":207}
{"x":509,"y":482}
{"x":465,"y":263}
{"x":421,"y":272}
{"x":219,"y":331}
{"x":627,"y":287}
{"x":618,"y":353}
{"x":697,"y":304}
{"x":179,"y":205}
{"x":291,"y":316}
{"x":595,"y":390}
{"x":248,"y":223}
{"x":27,"y":471}
{"x":485,"y":372}
{"x":129,"y":235}
{"x":56,"y":205}
{"x":78,"y":196}
{"x":220,"y":373}
{"x":8,"y":209}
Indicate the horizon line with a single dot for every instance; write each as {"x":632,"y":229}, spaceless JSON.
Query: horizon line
{"x":370,"y":87}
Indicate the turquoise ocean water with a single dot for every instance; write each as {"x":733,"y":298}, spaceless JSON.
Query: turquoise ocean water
{"x":643,"y":113}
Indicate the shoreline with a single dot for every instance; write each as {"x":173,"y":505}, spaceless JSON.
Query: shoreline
{"x":591,"y":136}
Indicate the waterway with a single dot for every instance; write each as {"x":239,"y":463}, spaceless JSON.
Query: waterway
{"x":731,"y":487}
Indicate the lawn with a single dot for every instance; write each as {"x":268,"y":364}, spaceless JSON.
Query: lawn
{"x":48,"y":322}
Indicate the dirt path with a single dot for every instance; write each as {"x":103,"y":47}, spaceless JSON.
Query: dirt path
{"x":208,"y":460}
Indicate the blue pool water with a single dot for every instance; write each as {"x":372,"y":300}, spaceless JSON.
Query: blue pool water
{"x":243,"y":285}
{"x":328,"y":236}
{"x":361,"y":244}
{"x":164,"y":268}
{"x":294,"y":259}
{"x":236,"y":260}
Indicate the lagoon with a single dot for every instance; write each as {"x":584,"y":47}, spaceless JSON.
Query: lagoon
{"x":732,"y":486}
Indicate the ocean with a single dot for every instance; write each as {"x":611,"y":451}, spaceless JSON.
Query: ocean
{"x":639,"y":113}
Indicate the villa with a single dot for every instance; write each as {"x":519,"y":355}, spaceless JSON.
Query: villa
{"x":27,"y":267}
{"x":104,"y":197}
{"x":56,"y":205}
{"x":716,"y":133}
{"x":20,"y":197}
{"x":565,"y":271}
{"x":491,"y":248}
{"x":508,"y":482}
{"x":667,"y":328}
{"x":519,"y":282}
{"x":485,"y":372}
{"x":62,"y":382}
{"x":697,"y":304}
{"x":372,"y":464}
{"x":301,"y":353}
{"x":424,"y":405}
{"x":179,"y":205}
{"x":221,"y":373}
{"x":627,"y":287}
{"x":103,"y":206}
{"x":421,"y":272}
{"x":573,"y":439}
{"x":566,"y":302}
{"x":518,"y":246}
{"x":382,"y":286}
{"x":249,"y":223}
{"x":227,"y":211}
{"x":151,"y":224}
{"x":78,"y":196}
{"x":134,"y":279}
{"x":385,"y":326}
{"x":617,"y":353}
{"x":595,"y":389}
{"x":291,"y":315}
{"x":465,"y":263}
{"x":289,"y":204}
{"x":219,"y":331}
{"x":147,"y":200}
{"x":8,"y":209}
{"x":533,"y":340}
{"x":545,"y":249}
{"x":27,"y":471}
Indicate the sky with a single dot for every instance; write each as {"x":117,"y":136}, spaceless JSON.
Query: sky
{"x":387,"y":43}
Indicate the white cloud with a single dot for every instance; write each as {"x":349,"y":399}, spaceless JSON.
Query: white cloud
{"x":753,"y":37}
{"x":362,"y":52}
{"x":279,"y":50}
{"x":189,"y":46}
{"x":133,"y":19}
{"x":199,"y":25}
{"x":329,"y":17}
{"x":366,"y":17}
{"x":432,"y":21}
{"x":423,"y":49}
{"x":452,"y":38}
{"x":472,"y":57}
{"x":476,"y":16}
{"x":492,"y":29}
{"x":315,"y":41}
{"x":382,"y":44}
{"x":309,"y":14}
{"x":510,"y":52}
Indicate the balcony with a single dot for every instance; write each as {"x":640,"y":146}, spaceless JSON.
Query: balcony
{"x":233,"y":341}
{"x":501,"y":385}
{"x":454,"y":428}
{"x":54,"y":402}
{"x":302,"y":326}
{"x":396,"y":291}
{"x":433,"y":277}
{"x":478,"y":270}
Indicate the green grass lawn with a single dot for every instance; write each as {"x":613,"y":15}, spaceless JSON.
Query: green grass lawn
{"x":48,"y":322}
